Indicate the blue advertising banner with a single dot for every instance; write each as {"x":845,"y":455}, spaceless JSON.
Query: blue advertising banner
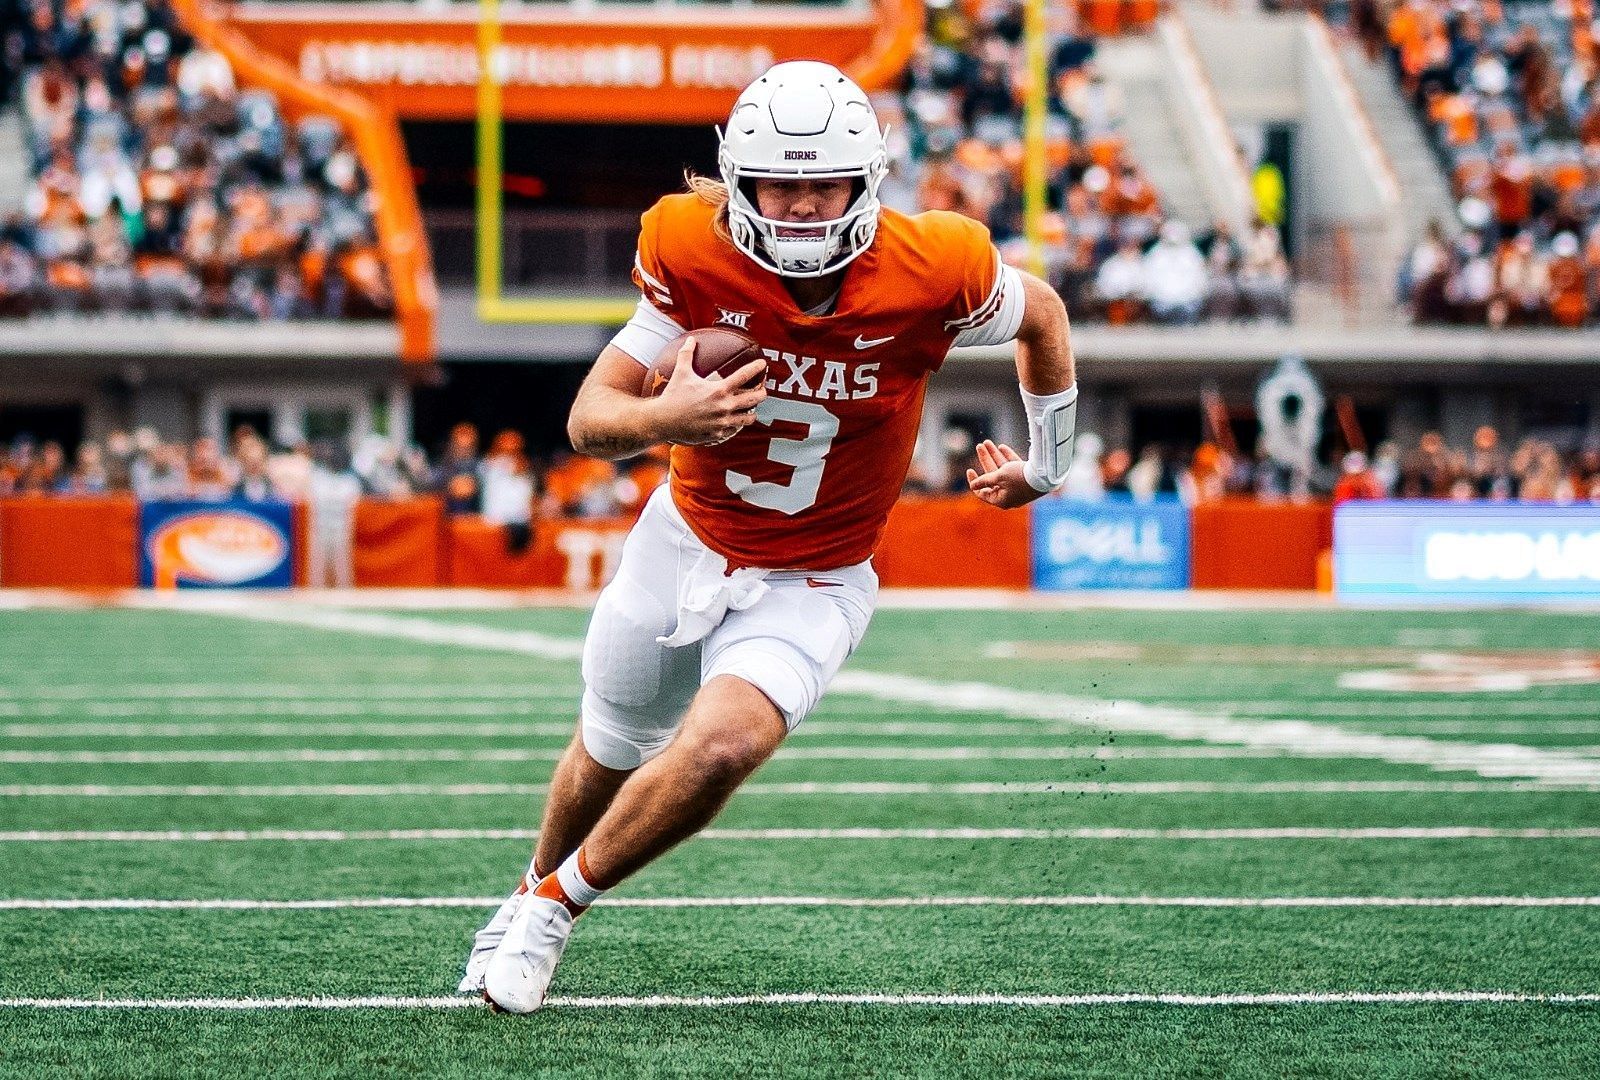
{"x":215,"y":545}
{"x":1115,"y":543}
{"x":1463,"y":552}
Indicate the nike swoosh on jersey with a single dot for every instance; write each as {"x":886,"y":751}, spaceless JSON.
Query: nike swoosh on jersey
{"x":818,"y":583}
{"x":864,"y":343}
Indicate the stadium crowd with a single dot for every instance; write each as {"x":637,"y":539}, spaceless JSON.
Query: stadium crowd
{"x":955,"y":135}
{"x":501,"y":482}
{"x":1534,"y":471}
{"x":1510,"y":96}
{"x":157,"y":184}
{"x":504,"y":485}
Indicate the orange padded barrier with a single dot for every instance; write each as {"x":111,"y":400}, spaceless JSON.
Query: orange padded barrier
{"x":954,"y":542}
{"x":1140,"y":14}
{"x":1102,"y":17}
{"x":1249,"y":545}
{"x":376,"y":136}
{"x":571,"y":554}
{"x":400,"y":544}
{"x":86,"y":542}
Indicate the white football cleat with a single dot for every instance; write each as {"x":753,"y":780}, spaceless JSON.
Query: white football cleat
{"x":487,"y":940}
{"x":519,"y":972}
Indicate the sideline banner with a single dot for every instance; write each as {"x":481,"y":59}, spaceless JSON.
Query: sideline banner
{"x":1421,"y":550}
{"x":1110,"y":544}
{"x":216,"y":545}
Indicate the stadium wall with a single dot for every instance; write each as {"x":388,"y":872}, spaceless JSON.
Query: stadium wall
{"x":930,"y":542}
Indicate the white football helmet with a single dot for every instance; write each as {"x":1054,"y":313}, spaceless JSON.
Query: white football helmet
{"x":802,"y":120}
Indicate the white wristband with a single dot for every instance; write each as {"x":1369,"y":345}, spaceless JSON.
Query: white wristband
{"x":1052,"y":424}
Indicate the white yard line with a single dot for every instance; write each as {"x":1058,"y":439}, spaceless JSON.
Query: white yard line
{"x":274,"y":729}
{"x":1449,"y":708}
{"x":217,"y":756}
{"x":1488,"y":727}
{"x":347,"y":755}
{"x":1057,"y":788}
{"x":385,"y":902}
{"x":424,"y":631}
{"x":1438,"y":832}
{"x":405,"y":729}
{"x":1290,"y":736}
{"x":558,"y":706}
{"x":268,"y":692}
{"x":1014,"y":1001}
{"x":185,"y":729}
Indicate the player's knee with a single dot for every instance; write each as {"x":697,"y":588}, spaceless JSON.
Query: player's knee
{"x":723,"y":758}
{"x":734,"y":731}
{"x":616,"y":739}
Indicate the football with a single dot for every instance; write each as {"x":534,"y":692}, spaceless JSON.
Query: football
{"x":717,"y":351}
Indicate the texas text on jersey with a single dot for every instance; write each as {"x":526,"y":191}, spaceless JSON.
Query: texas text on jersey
{"x":811,"y":483}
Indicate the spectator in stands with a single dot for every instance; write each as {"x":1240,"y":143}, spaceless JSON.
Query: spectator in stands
{"x":1356,"y":480}
{"x":254,"y":483}
{"x":1522,"y":284}
{"x":211,"y":477}
{"x":1174,"y":276}
{"x":640,"y":478}
{"x":159,"y":185}
{"x":19,"y":279}
{"x":120,"y":455}
{"x":961,"y":111}
{"x":1084,"y":476}
{"x":1264,"y":274}
{"x":290,"y":472}
{"x":333,"y":493}
{"x":1119,"y":285}
{"x":458,"y":477}
{"x":508,"y":490}
{"x":580,"y":486}
{"x":88,"y":476}
{"x":1153,"y":474}
{"x":166,"y":475}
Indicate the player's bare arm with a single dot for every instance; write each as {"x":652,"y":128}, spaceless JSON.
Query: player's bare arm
{"x":1049,"y":380}
{"x":612,"y":419}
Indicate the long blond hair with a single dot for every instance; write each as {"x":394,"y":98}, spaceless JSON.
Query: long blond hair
{"x":714,"y":193}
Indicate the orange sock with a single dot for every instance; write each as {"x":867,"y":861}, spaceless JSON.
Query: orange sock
{"x":550,"y":888}
{"x":570,"y":885}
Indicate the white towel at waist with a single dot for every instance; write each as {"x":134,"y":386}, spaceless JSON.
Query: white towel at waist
{"x":708,"y":592}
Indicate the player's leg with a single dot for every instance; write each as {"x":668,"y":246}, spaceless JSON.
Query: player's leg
{"x":580,"y":791}
{"x":732,"y":728}
{"x":764,"y":669}
{"x":636,"y":691}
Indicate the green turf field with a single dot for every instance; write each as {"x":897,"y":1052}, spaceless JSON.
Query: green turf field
{"x":1207,"y":853}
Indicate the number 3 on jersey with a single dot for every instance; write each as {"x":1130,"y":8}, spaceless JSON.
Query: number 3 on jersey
{"x":807,"y":455}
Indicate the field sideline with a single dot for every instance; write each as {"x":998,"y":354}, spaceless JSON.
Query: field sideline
{"x":1020,"y":838}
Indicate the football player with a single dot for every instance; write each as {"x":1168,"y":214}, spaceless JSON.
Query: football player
{"x":748,"y":578}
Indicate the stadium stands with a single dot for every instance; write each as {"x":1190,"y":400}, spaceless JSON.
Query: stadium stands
{"x":956,"y":143}
{"x":158,"y":184}
{"x":495,"y":483}
{"x":1509,"y":96}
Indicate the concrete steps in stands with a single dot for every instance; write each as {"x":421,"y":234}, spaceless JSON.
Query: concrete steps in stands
{"x":1424,"y":189}
{"x":1151,"y":130}
{"x":13,"y":160}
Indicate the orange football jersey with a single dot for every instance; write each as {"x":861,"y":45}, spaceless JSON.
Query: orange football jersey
{"x":810,"y":484}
